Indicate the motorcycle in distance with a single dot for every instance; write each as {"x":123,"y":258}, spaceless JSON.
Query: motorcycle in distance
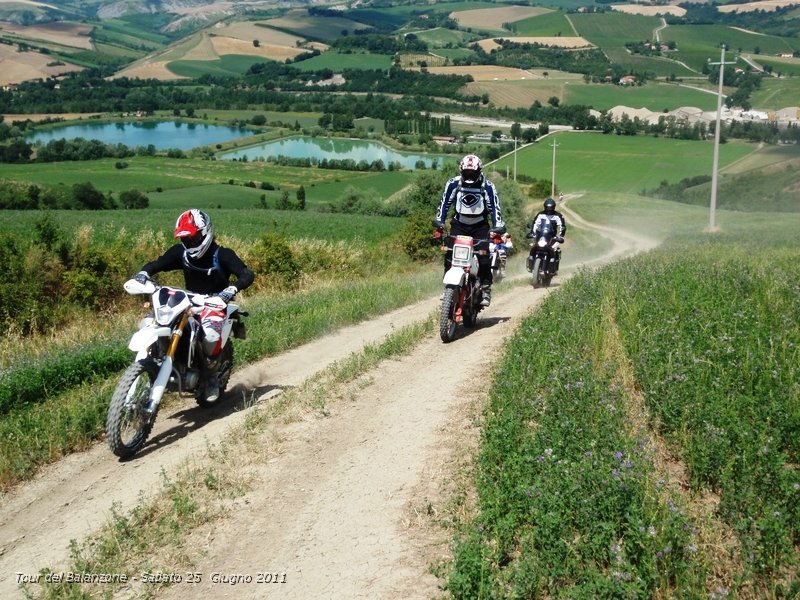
{"x":169,"y":358}
{"x":499,"y":254}
{"x":461,"y":301}
{"x":542,"y":256}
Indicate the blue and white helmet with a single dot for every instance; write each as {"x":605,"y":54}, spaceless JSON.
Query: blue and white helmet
{"x":471,"y":168}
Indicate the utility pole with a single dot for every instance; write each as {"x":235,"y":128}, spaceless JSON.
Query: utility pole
{"x":515,"y":159}
{"x":712,"y":216}
{"x":553,"y":178}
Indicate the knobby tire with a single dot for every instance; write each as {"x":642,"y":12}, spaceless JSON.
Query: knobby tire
{"x":127,"y":425}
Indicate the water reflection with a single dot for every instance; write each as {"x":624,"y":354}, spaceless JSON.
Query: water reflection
{"x":162,"y":135}
{"x":318,"y":149}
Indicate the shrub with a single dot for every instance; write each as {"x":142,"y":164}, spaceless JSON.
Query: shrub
{"x":273,"y":257}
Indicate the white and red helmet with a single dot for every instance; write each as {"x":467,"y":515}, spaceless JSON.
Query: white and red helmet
{"x":471,"y":167}
{"x":195,"y":231}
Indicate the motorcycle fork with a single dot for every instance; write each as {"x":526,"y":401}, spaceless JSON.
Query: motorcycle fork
{"x":177,"y":334}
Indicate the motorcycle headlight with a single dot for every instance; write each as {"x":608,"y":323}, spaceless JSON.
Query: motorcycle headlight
{"x":163,"y":315}
{"x":542,"y":242}
{"x":460,"y":252}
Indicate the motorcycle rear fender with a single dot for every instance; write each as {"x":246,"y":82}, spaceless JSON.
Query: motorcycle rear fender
{"x":146,"y":337}
{"x":454,"y":276}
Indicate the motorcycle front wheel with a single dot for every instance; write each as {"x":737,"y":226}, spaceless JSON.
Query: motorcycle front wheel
{"x":447,"y":323}
{"x":127,"y":423}
{"x":537,"y":272}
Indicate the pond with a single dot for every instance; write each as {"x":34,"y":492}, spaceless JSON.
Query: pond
{"x":318,"y":149}
{"x":163,"y":135}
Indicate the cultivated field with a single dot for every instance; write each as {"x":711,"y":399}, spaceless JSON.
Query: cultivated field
{"x":490,"y":44}
{"x":21,"y":66}
{"x":494,"y":18}
{"x":316,"y":28}
{"x":765,"y":5}
{"x":649,"y":11}
{"x":483,"y":72}
{"x":74,"y":35}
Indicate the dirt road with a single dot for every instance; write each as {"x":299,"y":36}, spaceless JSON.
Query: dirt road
{"x":334,"y":511}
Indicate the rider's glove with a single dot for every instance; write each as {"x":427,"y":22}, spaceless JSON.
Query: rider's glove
{"x":142,"y":277}
{"x":228,"y":293}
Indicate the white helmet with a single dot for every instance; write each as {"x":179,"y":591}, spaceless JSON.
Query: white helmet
{"x":471,"y":167}
{"x":195,"y":231}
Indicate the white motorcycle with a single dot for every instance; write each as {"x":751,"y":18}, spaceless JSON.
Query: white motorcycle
{"x":169,"y":358}
{"x":461,"y":301}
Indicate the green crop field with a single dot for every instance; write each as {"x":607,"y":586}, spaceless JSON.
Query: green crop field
{"x":777,"y":93}
{"x":699,"y":43}
{"x":149,"y":174}
{"x":549,"y":24}
{"x":781,"y":67}
{"x":339,"y":62}
{"x":611,"y":163}
{"x":436,"y":38}
{"x":614,"y":29}
{"x":648,"y":362}
{"x":226,"y":66}
{"x":657,"y":97}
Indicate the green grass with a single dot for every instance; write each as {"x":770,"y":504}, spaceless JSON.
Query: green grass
{"x":572,"y":499}
{"x":779,"y":67}
{"x":698,"y":43}
{"x":147,"y":174}
{"x":775,"y":94}
{"x":550,"y":24}
{"x":243,"y":224}
{"x":340,"y":62}
{"x":656,"y":97}
{"x":613,"y":29}
{"x":226,"y":66}
{"x":623,"y":164}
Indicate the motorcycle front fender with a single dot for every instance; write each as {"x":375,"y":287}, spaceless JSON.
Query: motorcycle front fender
{"x":146,"y":337}
{"x":454,"y":277}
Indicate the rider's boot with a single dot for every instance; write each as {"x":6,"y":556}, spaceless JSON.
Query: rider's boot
{"x":486,"y":295}
{"x":212,"y":380}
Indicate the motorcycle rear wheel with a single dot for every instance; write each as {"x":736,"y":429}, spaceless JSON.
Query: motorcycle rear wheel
{"x":127,"y":423}
{"x":447,"y":323}
{"x":224,"y":375}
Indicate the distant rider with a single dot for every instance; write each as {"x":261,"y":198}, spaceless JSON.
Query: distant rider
{"x":476,"y":206}
{"x":549,"y":213}
{"x":207,"y":269}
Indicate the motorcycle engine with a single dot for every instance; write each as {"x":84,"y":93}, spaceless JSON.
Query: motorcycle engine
{"x":191,"y":379}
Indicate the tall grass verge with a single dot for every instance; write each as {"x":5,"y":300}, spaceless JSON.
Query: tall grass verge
{"x":573,"y":502}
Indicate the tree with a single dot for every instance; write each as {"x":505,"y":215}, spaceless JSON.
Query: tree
{"x":89,"y":197}
{"x":256,"y":43}
{"x":301,"y":198}
{"x":133,"y":199}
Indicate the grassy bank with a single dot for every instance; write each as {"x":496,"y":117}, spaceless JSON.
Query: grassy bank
{"x":641,"y":437}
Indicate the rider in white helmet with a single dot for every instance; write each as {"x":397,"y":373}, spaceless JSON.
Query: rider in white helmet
{"x":477,"y":207}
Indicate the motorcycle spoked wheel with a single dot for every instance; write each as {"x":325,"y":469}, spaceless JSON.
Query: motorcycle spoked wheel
{"x":537,"y":271}
{"x":223,"y":374}
{"x":127,"y":423}
{"x":447,"y":323}
{"x":470,"y":311}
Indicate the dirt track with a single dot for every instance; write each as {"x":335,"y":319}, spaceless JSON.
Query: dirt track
{"x":335,"y":505}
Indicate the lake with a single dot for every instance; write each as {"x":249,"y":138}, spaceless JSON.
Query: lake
{"x":163,"y":135}
{"x":319,"y":148}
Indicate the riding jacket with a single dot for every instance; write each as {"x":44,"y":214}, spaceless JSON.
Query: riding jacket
{"x":474,"y":204}
{"x":208,"y":274}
